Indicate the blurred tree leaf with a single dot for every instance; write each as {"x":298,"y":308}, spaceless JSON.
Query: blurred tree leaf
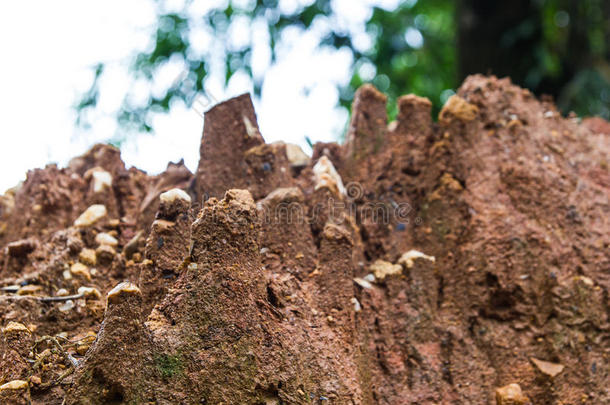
{"x":414,"y":50}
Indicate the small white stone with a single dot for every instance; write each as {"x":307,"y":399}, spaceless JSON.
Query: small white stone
{"x":408,"y":258}
{"x":173,"y":194}
{"x":251,"y":130}
{"x":363,"y":283}
{"x":91,"y":215}
{"x":325,"y":175}
{"x":67,"y":275}
{"x":104,"y":238}
{"x":90,"y":292}
{"x":66,"y":306}
{"x":79,"y":269}
{"x":296,"y":156}
{"x":62,"y":292}
{"x":357,"y":306}
{"x":124,"y":287}
{"x":101,"y":180}
{"x":370,"y":277}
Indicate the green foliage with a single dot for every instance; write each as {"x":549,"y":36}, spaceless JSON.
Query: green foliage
{"x":401,"y":68}
{"x":413,"y":50}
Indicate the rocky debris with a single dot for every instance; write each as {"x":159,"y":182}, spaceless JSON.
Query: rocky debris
{"x":408,"y":258}
{"x":91,"y":215}
{"x":325,"y":176}
{"x":101,"y":179}
{"x":381,"y":269}
{"x":87,"y":257}
{"x":510,"y":395}
{"x":169,"y":197}
{"x":80,"y":270}
{"x":21,"y":248}
{"x":104,"y":238}
{"x":105,"y":253}
{"x":30,"y":289}
{"x":459,"y":109}
{"x":308,"y":283}
{"x":547,"y":367}
{"x":296,"y":156}
{"x":89,"y":292}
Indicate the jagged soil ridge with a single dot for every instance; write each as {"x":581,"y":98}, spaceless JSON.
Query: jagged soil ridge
{"x":299,"y":289}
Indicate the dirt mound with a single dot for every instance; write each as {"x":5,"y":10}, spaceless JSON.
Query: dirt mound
{"x":464,"y":261}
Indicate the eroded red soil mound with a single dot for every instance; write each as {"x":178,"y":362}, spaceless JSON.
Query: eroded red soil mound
{"x":458,"y":262}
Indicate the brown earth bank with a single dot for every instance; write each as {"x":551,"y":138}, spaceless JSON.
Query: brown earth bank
{"x":464,"y":261}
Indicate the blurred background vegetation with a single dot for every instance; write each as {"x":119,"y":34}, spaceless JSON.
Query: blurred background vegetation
{"x":555,"y":47}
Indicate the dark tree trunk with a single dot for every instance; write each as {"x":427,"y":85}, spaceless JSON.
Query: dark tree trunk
{"x":499,"y":37}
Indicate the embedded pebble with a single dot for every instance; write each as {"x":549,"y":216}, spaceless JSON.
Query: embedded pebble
{"x":79,"y":269}
{"x":90,"y":292}
{"x":408,"y":258}
{"x":363,"y":283}
{"x":296,"y":156}
{"x":510,"y":395}
{"x":85,"y":343}
{"x":123,"y":288}
{"x":173,"y":194}
{"x":66,"y":306}
{"x":104,"y":238}
{"x":546,"y":367}
{"x":67,"y":275}
{"x":62,"y":292}
{"x":30,"y":289}
{"x":21,"y":248}
{"x":91,"y":215}
{"x":381,"y":269}
{"x":15,"y":327}
{"x":325,"y":176}
{"x":87,"y":256}
{"x":105,"y":253}
{"x":14,"y":385}
{"x":370,"y":277}
{"x":457,"y":107}
{"x":101,"y":180}
{"x":357,"y":306}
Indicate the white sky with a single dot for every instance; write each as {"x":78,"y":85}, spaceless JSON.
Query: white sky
{"x":49,"y":47}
